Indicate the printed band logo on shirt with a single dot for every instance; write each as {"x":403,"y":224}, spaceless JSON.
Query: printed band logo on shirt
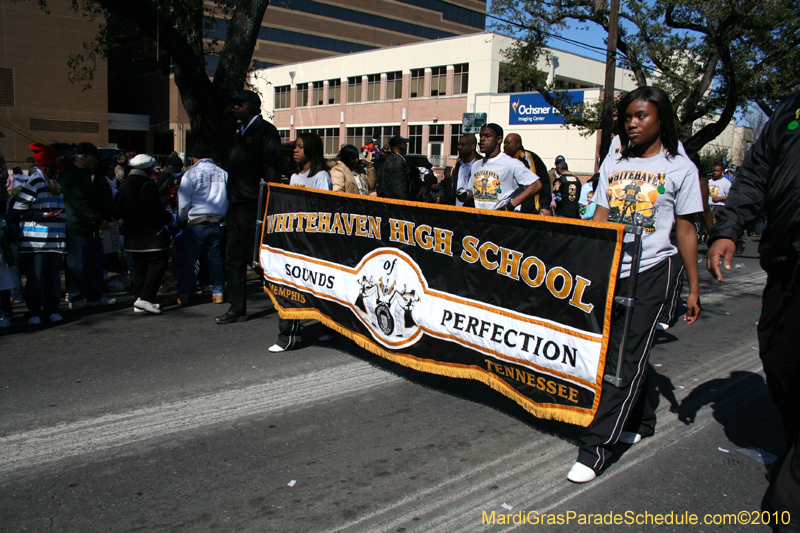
{"x":487,"y":185}
{"x":632,"y":196}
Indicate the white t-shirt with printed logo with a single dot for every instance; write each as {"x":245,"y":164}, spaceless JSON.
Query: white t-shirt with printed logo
{"x":497,"y":180}
{"x":720,"y":187}
{"x":649,"y":191}
{"x":320,"y":180}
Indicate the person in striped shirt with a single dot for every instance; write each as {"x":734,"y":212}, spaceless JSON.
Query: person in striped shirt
{"x":44,"y":236}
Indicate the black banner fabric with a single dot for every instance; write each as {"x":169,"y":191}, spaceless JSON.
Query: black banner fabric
{"x":519,"y":302}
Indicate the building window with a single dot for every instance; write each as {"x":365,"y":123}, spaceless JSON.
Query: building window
{"x":559,"y":84}
{"x":334,"y":91}
{"x":359,"y":137}
{"x":417,"y":82}
{"x":284,"y":134}
{"x":373,"y":87}
{"x":571,"y":85}
{"x":317,"y":96}
{"x":329,"y":136}
{"x":354,"y":89}
{"x":438,"y":81}
{"x":6,"y":87}
{"x":415,"y":140}
{"x":455,"y":135}
{"x":436,"y":133}
{"x":65,"y":126}
{"x":461,"y":79}
{"x":282,"y":97}
{"x":394,"y":85}
{"x":302,"y":95}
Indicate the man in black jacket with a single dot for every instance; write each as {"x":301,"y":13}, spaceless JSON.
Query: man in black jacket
{"x":769,"y":181}
{"x":540,"y":203}
{"x":255,"y":155}
{"x":394,"y":175}
{"x":87,"y":214}
{"x":460,"y":177}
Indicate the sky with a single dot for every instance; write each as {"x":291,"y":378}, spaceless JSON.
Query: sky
{"x":592,"y":36}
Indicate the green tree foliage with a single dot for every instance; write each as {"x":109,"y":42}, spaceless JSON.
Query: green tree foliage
{"x":183,"y":29}
{"x":713,"y":58}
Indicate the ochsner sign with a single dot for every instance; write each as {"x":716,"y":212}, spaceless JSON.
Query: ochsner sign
{"x":532,"y":108}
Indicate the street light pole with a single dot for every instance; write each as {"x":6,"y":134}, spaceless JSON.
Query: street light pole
{"x":611,"y":68}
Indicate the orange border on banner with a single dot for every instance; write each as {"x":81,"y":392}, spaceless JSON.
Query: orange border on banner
{"x":573,"y":415}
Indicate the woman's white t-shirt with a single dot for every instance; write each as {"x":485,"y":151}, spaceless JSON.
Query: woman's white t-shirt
{"x":649,"y":191}
{"x":320,"y":180}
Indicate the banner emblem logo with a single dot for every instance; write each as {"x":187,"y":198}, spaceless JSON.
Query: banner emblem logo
{"x":383,"y":305}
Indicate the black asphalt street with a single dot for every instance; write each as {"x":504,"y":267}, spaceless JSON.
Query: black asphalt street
{"x":115,"y":421}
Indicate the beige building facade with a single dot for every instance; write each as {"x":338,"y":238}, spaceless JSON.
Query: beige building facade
{"x":37,"y":100}
{"x":421,"y":91}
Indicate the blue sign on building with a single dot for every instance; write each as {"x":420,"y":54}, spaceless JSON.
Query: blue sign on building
{"x":531,"y":108}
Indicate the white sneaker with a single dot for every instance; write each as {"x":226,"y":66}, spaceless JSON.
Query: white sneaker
{"x":629,"y":437}
{"x":580,"y":473}
{"x":137,"y":310}
{"x":34,"y":321}
{"x":276,"y":348}
{"x":102,"y":301}
{"x":662,"y":326}
{"x":55,"y":317}
{"x":77,"y":304}
{"x":147,"y":306}
{"x":4,"y":322}
{"x":325,"y":338}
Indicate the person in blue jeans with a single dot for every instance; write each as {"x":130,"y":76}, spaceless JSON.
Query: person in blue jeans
{"x":202,"y":202}
{"x":88,"y":214}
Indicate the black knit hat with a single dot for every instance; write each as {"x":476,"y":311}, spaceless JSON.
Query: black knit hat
{"x":201,"y":150}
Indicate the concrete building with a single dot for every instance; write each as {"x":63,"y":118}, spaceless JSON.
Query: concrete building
{"x":735,"y":140}
{"x":38,"y":103}
{"x":422,"y":90}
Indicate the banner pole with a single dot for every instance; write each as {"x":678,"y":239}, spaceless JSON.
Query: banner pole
{"x":628,"y":302}
{"x":259,"y":223}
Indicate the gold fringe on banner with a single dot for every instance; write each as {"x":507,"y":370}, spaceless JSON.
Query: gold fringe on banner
{"x":570,"y":415}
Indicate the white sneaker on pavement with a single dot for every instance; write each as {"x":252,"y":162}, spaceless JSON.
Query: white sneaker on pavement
{"x":137,"y":310}
{"x":580,"y":473}
{"x":276,"y":348}
{"x":102,"y":301}
{"x":55,"y":317}
{"x":147,"y":306}
{"x":77,"y":304}
{"x":662,"y":326}
{"x":629,"y":437}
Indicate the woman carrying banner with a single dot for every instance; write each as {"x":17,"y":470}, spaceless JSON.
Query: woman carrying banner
{"x":645,"y":182}
{"x":310,"y":159}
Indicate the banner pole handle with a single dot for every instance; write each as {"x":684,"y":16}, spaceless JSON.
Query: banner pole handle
{"x":628,"y":302}
{"x":259,"y":223}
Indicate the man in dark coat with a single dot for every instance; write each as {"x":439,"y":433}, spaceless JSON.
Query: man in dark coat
{"x":146,"y":237}
{"x":255,"y":155}
{"x":769,"y":182}
{"x":460,"y":177}
{"x":87,"y":214}
{"x":394,"y":175}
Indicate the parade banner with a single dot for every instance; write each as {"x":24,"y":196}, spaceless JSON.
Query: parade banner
{"x":519,"y":302}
